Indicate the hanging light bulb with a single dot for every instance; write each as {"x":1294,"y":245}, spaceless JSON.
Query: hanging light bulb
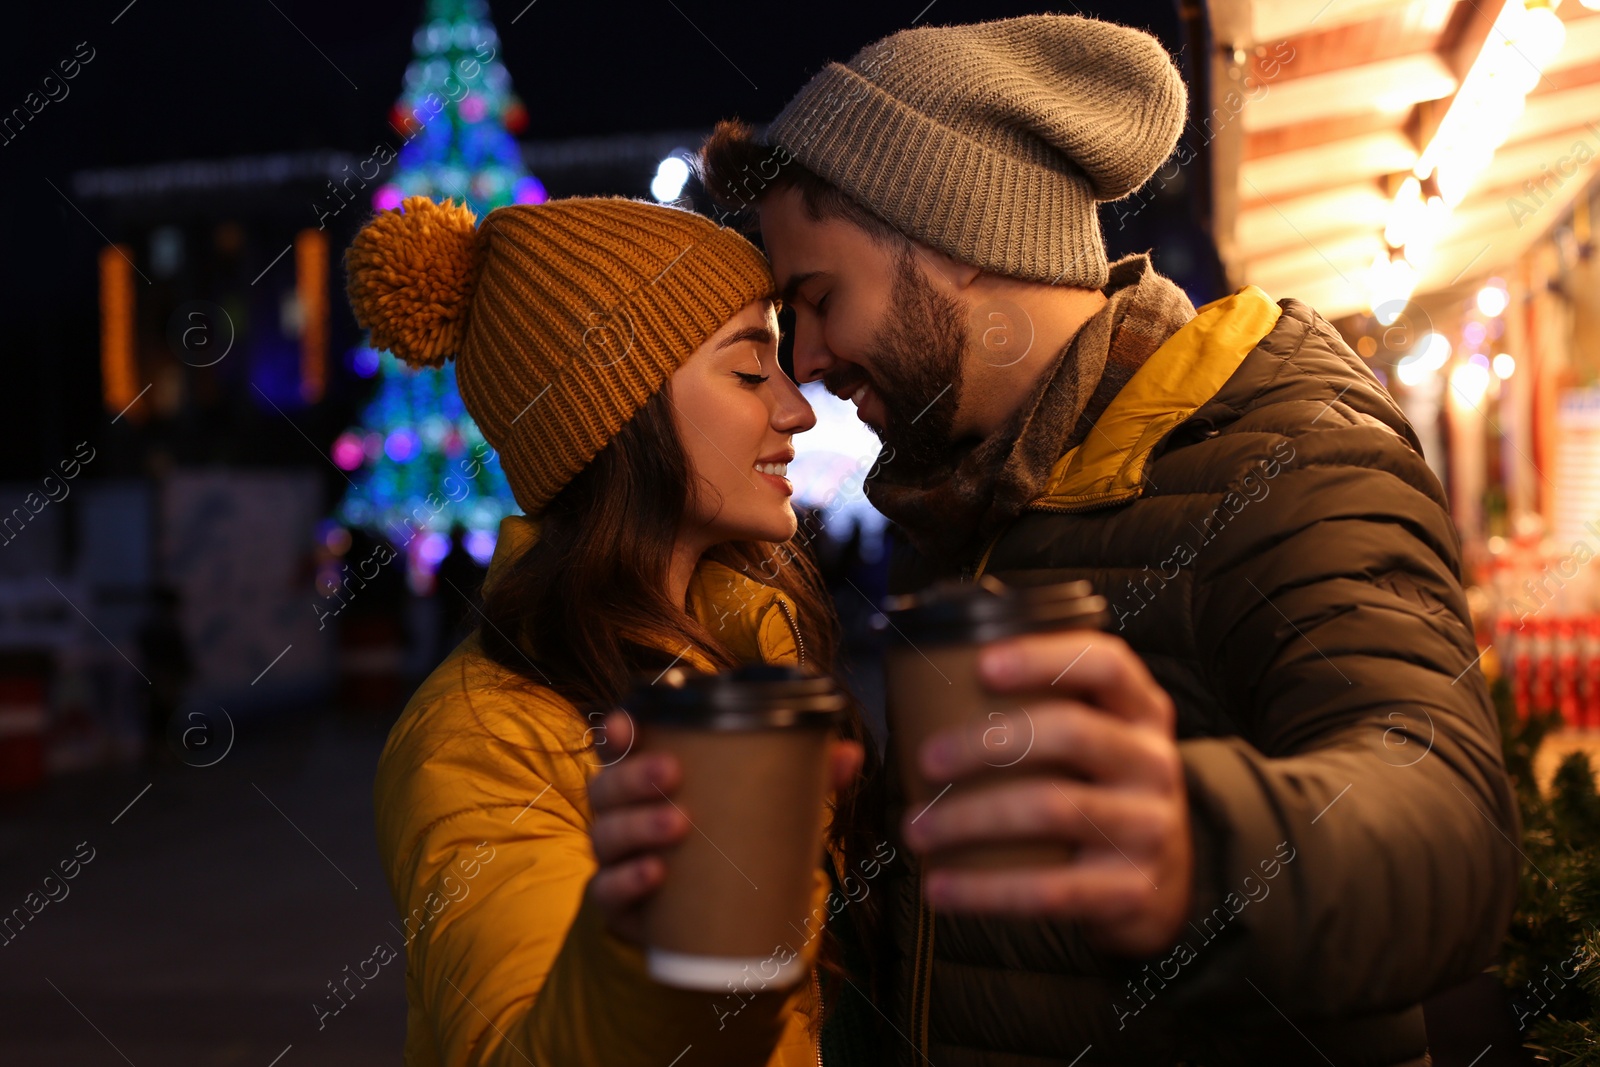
{"x":1492,"y":299}
{"x":1539,"y":34}
{"x":1405,"y":213}
{"x":1417,"y":216}
{"x":1411,"y":372}
{"x":1433,"y":350}
{"x":1526,"y":37}
{"x":1390,"y":282}
{"x":1470,"y":380}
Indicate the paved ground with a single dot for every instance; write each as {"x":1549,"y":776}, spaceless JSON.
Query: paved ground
{"x":213,"y":913}
{"x":218,"y":904}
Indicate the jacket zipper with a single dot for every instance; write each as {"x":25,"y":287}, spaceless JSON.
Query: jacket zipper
{"x":799,"y":642}
{"x":816,"y":986}
{"x":925,"y":914}
{"x":923,"y":959}
{"x":816,"y":982}
{"x":923,"y":962}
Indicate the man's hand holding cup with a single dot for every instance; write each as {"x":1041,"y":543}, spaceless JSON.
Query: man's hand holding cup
{"x":1083,"y":771}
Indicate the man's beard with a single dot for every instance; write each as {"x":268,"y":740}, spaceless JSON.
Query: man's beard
{"x":917,"y":356}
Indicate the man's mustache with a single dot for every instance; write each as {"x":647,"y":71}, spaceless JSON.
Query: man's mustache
{"x":847,"y":381}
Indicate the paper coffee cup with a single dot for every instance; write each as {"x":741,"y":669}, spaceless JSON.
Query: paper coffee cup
{"x":931,"y":666}
{"x":753,"y":747}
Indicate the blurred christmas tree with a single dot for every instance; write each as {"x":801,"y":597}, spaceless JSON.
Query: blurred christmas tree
{"x":458,"y":114}
{"x":416,"y":458}
{"x":1551,"y":962}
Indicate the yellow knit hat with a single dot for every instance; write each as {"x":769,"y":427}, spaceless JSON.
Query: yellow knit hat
{"x":564,"y":318}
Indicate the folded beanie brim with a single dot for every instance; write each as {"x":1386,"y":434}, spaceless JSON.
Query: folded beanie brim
{"x":1016,"y":217}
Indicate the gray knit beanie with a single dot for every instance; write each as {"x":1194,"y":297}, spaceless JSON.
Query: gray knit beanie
{"x":992,"y":142}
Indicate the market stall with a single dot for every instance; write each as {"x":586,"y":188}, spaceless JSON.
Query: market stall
{"x":1423,"y":174}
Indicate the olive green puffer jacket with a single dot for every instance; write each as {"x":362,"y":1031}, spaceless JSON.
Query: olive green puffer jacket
{"x":1257,"y":512}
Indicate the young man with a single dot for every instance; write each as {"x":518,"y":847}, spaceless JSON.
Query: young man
{"x":1280,"y":766}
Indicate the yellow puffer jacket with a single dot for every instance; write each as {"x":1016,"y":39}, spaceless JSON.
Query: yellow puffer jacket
{"x":483,"y":826}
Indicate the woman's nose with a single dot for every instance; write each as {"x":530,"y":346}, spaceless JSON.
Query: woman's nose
{"x":795,"y":414}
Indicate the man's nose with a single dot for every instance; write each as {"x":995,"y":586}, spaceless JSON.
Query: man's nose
{"x":811,"y":356}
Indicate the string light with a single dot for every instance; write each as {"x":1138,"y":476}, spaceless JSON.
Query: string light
{"x":1390,"y":282}
{"x":1417,"y":216}
{"x":1490,"y":99}
{"x":672,"y":174}
{"x":1492,"y":298}
{"x":1470,"y":380}
{"x":1431,"y":352}
{"x":1525,"y":38}
{"x":1411,"y":372}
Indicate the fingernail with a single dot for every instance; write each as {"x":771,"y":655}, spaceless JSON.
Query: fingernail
{"x":997,"y":663}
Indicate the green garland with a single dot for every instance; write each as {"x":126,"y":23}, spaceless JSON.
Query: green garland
{"x":1550,"y":965}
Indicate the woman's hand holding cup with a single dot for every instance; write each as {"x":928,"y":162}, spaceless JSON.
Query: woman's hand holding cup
{"x":636,"y":821}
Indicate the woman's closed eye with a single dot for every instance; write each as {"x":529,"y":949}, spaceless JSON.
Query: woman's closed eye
{"x":752,"y":379}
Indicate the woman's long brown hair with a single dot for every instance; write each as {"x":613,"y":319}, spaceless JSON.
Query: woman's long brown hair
{"x":589,"y":599}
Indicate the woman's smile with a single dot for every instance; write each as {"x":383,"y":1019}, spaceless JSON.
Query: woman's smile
{"x":776,"y":472}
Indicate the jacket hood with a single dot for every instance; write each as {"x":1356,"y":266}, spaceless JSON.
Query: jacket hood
{"x":756,"y":621}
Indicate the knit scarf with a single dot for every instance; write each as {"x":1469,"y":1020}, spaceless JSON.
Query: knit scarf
{"x":949,"y":509}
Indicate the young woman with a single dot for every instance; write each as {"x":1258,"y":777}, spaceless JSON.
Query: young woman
{"x":621,"y":358}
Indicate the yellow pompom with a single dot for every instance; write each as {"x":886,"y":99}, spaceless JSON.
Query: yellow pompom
{"x":410,"y":274}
